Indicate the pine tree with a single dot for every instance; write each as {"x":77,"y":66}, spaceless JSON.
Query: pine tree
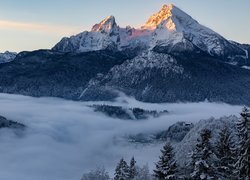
{"x":166,"y":167}
{"x":203,"y":158}
{"x":243,"y":163}
{"x":122,"y":171}
{"x":225,"y":152}
{"x":132,"y":168}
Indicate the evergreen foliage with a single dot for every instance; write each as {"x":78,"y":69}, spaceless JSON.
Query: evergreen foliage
{"x":132,"y":168}
{"x":166,"y":167}
{"x":226,"y":154}
{"x":243,"y":163}
{"x":203,"y":158}
{"x":122,"y":171}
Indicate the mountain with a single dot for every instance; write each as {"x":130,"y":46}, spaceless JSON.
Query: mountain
{"x":170,"y":58}
{"x":158,"y":77}
{"x":169,"y":30}
{"x":48,"y":73}
{"x":7,"y":56}
{"x":106,"y":35}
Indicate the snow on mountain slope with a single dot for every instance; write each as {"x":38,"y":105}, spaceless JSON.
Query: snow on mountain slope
{"x":172,"y":25}
{"x":186,"y":146}
{"x":169,"y":27}
{"x":141,"y":69}
{"x":7,"y":56}
{"x":104,"y":35}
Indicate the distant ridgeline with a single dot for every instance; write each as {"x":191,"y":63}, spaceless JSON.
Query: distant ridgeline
{"x":172,"y":58}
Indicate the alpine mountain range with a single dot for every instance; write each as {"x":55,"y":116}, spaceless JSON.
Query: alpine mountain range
{"x":171,"y":58}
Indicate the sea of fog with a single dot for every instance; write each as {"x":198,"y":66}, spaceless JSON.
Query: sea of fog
{"x":64,"y":139}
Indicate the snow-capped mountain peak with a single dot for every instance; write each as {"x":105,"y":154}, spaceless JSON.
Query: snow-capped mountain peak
{"x":157,"y":18}
{"x":108,"y":25}
{"x":170,"y":29}
{"x":170,"y":14}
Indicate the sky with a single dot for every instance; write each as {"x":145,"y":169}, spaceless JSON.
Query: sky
{"x":36,"y":24}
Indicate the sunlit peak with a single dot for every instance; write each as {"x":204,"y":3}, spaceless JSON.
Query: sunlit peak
{"x":105,"y":25}
{"x":156,"y":19}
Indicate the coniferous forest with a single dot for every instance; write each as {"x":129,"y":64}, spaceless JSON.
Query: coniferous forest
{"x":225,"y":159}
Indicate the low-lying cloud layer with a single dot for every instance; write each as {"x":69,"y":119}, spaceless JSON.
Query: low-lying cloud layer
{"x":64,"y":139}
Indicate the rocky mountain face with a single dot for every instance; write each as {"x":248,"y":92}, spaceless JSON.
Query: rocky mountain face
{"x":170,"y":58}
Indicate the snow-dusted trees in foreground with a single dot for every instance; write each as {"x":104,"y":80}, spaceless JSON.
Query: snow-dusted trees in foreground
{"x":122,"y":171}
{"x":223,"y":159}
{"x":166,"y":167}
{"x":226,"y":154}
{"x":132,"y":172}
{"x":203,"y":157}
{"x":243,"y":163}
{"x":132,"y":169}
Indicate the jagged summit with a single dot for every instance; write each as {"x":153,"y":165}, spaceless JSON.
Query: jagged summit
{"x":107,"y":25}
{"x":168,"y":30}
{"x":170,"y":13}
{"x":158,"y":17}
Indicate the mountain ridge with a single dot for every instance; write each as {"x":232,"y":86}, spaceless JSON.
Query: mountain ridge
{"x":7,"y":56}
{"x":166,"y":28}
{"x":178,"y":60}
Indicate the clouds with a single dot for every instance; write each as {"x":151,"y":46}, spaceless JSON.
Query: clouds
{"x":66,"y":138}
{"x":21,"y":36}
{"x":44,"y":28}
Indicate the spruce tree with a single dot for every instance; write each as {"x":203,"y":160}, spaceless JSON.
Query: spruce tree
{"x":166,"y":167}
{"x":225,"y":152}
{"x":203,"y":158}
{"x":132,"y":168}
{"x":243,"y":163}
{"x":122,"y":171}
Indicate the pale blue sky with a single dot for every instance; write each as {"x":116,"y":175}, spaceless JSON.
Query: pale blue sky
{"x":39,"y":24}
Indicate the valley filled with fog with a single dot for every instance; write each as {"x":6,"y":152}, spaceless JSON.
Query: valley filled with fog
{"x":63,"y":139}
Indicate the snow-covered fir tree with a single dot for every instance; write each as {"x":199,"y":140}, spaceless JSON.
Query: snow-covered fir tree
{"x":203,"y":158}
{"x":166,"y":167}
{"x":132,"y":168}
{"x":122,"y":171}
{"x":243,"y":163}
{"x":225,"y":151}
